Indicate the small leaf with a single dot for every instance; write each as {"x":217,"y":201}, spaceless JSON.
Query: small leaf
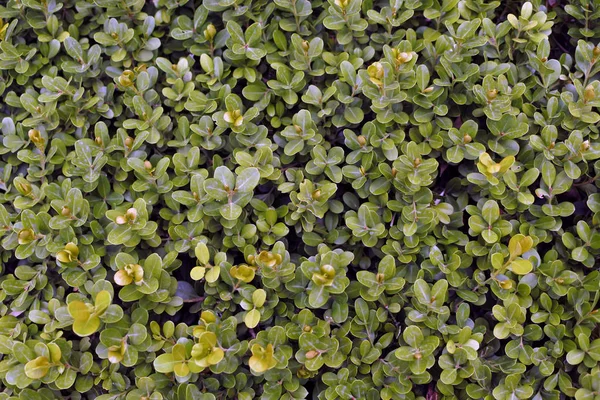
{"x":521,"y":266}
{"x":252,"y":318}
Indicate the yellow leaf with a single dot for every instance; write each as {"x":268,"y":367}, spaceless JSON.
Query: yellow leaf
{"x":37,"y":368}
{"x":215,"y":356}
{"x":181,"y":369}
{"x":55,"y":353}
{"x":197,"y":273}
{"x":213,"y":274}
{"x":122,"y":278}
{"x":486,"y":160}
{"x":87,"y":327}
{"x":79,"y":310}
{"x":521,"y":266}
{"x":103,"y":299}
{"x":262,"y":358}
{"x":207,"y":316}
{"x":506,"y":163}
{"x":243,"y":272}
{"x":519,"y":244}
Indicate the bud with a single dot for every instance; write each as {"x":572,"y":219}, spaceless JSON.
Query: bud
{"x":428,"y":90}
{"x":234,"y":117}
{"x":507,"y":284}
{"x":303,"y":373}
{"x":35,"y":136}
{"x":362,"y":171}
{"x":585,"y":146}
{"x":394,"y":172}
{"x":126,"y":78}
{"x":65,"y":212}
{"x":305,"y":46}
{"x":403,"y":57}
{"x":120,"y":220}
{"x":268,"y":259}
{"x":278,"y":259}
{"x":311,"y":354}
{"x":3,"y":29}
{"x":467,"y":138}
{"x":137,"y":273}
{"x":148,"y":165}
{"x":596,"y":51}
{"x":163,"y":16}
{"x":23,"y":187}
{"x":316,"y":194}
{"x":551,"y":145}
{"x":417,"y":161}
{"x":64,"y":257}
{"x":307,"y":328}
{"x":26,"y":236}
{"x":114,"y":35}
{"x":131,"y":214}
{"x":589,"y":94}
{"x":128,"y":142}
{"x":117,"y":353}
{"x":69,"y":254}
{"x":251,"y":259}
{"x":210,"y":32}
{"x":380,"y":277}
{"x":492,"y":94}
{"x":418,"y":356}
{"x":376,"y":72}
{"x":361,"y":140}
{"x":298,"y":128}
{"x":328,"y":270}
{"x":98,"y":140}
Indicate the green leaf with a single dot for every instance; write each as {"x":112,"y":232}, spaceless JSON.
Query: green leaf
{"x":247,"y":180}
{"x":490,"y":212}
{"x":230,"y":211}
{"x":422,"y":292}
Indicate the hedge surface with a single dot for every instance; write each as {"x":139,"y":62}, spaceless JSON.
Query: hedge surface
{"x":294,"y":199}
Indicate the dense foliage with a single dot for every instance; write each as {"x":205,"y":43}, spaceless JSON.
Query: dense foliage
{"x":299,"y":199}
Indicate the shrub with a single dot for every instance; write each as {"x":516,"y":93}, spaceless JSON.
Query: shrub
{"x":290,"y":199}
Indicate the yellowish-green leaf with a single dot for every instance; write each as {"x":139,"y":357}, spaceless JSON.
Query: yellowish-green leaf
{"x":102,"y":302}
{"x":521,"y":266}
{"x":37,"y":368}
{"x":202,"y":253}
{"x":213,"y":274}
{"x":259,"y":297}
{"x":252,"y":318}
{"x":86,"y":327}
{"x":197,"y":273}
{"x":79,"y":310}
